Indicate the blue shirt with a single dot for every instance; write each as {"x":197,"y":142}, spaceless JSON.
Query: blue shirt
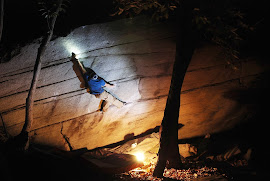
{"x":95,"y":85}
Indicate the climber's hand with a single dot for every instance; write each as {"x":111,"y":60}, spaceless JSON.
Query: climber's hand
{"x":110,"y":85}
{"x":73,"y":56}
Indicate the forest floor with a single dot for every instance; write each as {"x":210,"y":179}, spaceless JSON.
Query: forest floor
{"x":225,"y":156}
{"x":197,"y":170}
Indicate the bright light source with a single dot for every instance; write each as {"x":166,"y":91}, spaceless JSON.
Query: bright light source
{"x":140,"y":156}
{"x":75,"y":50}
{"x":134,"y":145}
{"x":71,"y":47}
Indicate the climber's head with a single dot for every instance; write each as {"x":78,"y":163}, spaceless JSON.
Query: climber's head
{"x":95,"y":77}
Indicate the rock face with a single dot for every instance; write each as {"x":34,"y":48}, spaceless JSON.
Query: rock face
{"x":138,"y":56}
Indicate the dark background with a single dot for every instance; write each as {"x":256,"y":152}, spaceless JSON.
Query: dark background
{"x":23,"y":21}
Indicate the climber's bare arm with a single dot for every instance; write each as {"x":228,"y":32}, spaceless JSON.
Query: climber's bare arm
{"x":109,"y":85}
{"x":73,"y":58}
{"x":81,"y":67}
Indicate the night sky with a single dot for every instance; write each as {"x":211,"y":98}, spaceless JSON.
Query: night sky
{"x":23,"y":22}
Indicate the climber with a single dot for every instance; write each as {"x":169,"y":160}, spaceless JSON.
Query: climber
{"x":96,"y":84}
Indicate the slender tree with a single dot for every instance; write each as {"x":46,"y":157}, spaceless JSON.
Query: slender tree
{"x":21,"y":141}
{"x":212,"y":24}
{"x":30,"y":100}
{"x":169,"y":152}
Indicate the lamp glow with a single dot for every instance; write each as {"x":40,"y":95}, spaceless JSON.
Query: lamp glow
{"x":72,"y":47}
{"x":140,"y":156}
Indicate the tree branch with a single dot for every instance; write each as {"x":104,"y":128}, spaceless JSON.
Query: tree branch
{"x":30,"y":100}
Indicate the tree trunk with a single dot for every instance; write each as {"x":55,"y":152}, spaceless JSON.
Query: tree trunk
{"x":169,"y":151}
{"x":30,"y":98}
{"x":1,"y":19}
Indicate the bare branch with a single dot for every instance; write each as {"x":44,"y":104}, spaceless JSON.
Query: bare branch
{"x":30,"y":100}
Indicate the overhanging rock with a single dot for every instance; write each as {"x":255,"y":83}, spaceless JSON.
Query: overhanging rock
{"x":138,"y":56}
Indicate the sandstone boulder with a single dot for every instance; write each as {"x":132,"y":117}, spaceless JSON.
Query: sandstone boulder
{"x":137,"y":55}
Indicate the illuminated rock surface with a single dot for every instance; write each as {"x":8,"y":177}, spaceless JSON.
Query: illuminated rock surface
{"x":136,"y":55}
